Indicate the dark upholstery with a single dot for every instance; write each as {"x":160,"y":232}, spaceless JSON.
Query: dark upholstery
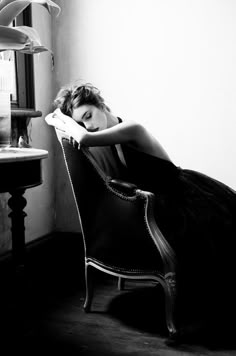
{"x":120,"y":234}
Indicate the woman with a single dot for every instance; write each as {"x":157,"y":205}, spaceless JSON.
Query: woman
{"x":196,"y":213}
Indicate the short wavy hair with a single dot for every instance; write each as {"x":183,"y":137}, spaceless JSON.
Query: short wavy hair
{"x":72,"y":96}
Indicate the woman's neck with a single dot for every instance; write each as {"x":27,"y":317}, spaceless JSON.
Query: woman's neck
{"x":112,"y":120}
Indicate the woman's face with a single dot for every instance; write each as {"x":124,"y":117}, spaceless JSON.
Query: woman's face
{"x":91,"y":117}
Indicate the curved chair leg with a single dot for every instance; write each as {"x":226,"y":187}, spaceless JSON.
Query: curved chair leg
{"x":121,"y":283}
{"x":170,"y":295}
{"x":89,"y":289}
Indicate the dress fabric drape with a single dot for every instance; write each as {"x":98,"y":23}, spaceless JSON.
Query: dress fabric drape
{"x":197,"y":216}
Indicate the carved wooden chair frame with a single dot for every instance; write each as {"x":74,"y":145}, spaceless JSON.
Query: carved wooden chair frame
{"x":126,"y":192}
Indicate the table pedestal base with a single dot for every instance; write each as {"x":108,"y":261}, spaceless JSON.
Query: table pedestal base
{"x":17,"y":203}
{"x":20,"y":170}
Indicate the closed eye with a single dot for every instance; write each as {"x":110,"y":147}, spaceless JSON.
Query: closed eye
{"x":87,"y":116}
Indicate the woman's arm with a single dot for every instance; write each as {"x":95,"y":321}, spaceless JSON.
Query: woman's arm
{"x":125,"y":132}
{"x":130,"y":132}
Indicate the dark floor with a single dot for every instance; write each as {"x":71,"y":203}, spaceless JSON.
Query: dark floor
{"x":42,"y":311}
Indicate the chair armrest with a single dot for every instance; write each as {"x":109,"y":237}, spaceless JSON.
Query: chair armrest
{"x":122,"y":186}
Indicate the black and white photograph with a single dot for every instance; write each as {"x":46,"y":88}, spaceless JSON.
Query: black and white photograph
{"x":118,"y":177}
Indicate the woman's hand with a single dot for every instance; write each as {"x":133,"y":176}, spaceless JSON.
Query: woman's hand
{"x":67,"y":124}
{"x":59,"y":120}
{"x":53,"y":120}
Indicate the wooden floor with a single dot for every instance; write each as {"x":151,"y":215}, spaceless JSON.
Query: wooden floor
{"x":42,"y":311}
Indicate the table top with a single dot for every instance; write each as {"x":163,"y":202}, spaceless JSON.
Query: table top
{"x":15,"y":154}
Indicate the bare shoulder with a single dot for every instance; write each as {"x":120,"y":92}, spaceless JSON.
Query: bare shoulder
{"x":137,"y":129}
{"x":133,"y":129}
{"x":143,"y":140}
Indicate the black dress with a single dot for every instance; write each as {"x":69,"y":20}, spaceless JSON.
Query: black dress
{"x":197,"y":216}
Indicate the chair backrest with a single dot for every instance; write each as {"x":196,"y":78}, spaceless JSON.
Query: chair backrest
{"x":111,"y":224}
{"x":85,"y":165}
{"x":90,"y":170}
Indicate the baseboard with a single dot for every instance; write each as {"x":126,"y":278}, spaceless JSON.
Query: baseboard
{"x":54,"y":240}
{"x":54,"y":262}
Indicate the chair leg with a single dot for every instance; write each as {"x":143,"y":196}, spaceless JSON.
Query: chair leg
{"x":121,"y":283}
{"x":170,"y":295}
{"x":89,"y":289}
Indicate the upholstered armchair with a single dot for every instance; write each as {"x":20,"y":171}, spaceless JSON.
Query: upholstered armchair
{"x":121,"y":236}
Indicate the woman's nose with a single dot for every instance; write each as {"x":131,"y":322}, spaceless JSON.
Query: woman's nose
{"x":90,"y":127}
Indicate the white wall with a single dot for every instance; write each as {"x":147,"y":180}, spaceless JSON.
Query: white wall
{"x":169,"y":64}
